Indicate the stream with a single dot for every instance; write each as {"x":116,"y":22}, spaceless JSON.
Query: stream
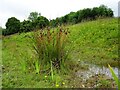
{"x":94,"y":70}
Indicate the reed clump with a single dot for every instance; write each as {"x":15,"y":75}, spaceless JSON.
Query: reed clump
{"x":51,"y":48}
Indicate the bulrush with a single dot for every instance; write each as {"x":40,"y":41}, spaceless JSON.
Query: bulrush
{"x":50,"y":46}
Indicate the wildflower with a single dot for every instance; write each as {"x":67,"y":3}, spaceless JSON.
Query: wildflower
{"x":83,"y":86}
{"x":57,"y":85}
{"x":63,"y":83}
{"x":45,"y":76}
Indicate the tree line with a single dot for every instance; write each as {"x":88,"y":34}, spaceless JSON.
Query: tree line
{"x":36,"y":21}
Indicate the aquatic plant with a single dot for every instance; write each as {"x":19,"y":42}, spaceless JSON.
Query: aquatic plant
{"x":114,"y":76}
{"x":50,"y":47}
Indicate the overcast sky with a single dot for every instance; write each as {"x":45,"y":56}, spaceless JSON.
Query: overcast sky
{"x":48,"y":8}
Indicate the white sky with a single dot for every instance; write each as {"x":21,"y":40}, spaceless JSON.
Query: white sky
{"x":48,"y":8}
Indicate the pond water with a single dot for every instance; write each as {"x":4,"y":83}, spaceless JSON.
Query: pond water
{"x":94,"y":70}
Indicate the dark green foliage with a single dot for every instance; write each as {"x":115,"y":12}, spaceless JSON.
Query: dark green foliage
{"x":40,"y":22}
{"x":102,"y":11}
{"x":26,"y":26}
{"x":85,"y":13}
{"x":81,"y":15}
{"x":54,"y":22}
{"x":4,"y":32}
{"x":33,"y":16}
{"x":72,"y":18}
{"x":95,"y":12}
{"x":12,"y":26}
{"x":110,"y":12}
{"x":36,"y":21}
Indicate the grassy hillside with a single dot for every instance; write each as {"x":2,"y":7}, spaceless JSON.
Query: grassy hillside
{"x":93,"y":42}
{"x":96,"y":41}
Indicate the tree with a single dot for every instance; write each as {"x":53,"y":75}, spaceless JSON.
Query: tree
{"x":41,"y":22}
{"x":95,"y":12}
{"x":71,"y":18}
{"x":26,"y":26}
{"x":65,"y":19}
{"x":110,"y":12}
{"x":103,"y":10}
{"x":86,"y":14}
{"x":12,"y":26}
{"x":79,"y":16}
{"x":37,"y":20}
{"x":53,"y":23}
{"x":33,"y":16}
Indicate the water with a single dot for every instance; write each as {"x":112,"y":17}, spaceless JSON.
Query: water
{"x":94,"y":69}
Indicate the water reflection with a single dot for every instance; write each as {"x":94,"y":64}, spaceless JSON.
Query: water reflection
{"x":94,"y":69}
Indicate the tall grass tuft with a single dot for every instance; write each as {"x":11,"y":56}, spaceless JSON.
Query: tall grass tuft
{"x":37,"y":67}
{"x":51,"y":48}
{"x":114,"y":76}
{"x":51,"y":71}
{"x":23,"y":65}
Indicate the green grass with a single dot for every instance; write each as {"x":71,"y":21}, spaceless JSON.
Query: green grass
{"x":96,"y":41}
{"x":93,"y":42}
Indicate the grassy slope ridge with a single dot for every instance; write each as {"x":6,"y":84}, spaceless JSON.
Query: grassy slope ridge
{"x":96,"y":41}
{"x":93,"y":41}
